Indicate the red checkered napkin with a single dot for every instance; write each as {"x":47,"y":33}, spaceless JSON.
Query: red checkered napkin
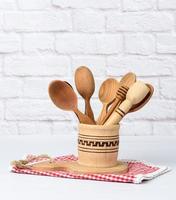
{"x":138,"y":171}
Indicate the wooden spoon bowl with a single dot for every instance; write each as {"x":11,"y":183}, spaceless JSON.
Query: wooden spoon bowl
{"x":141,"y":104}
{"x":64,"y":97}
{"x":108,"y":90}
{"x":107,"y":94}
{"x":85,"y":85}
{"x":125,"y":83}
{"x":137,"y":92}
{"x":128,"y":80}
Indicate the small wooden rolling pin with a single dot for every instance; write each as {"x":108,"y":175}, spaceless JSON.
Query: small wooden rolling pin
{"x":135,"y":94}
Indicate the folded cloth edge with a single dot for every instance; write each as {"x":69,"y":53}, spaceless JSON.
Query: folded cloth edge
{"x":138,"y":178}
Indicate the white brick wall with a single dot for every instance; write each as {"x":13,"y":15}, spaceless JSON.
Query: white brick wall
{"x":42,"y":40}
{"x":34,"y":4}
{"x":169,"y":4}
{"x":142,"y":44}
{"x":37,"y":21}
{"x":80,"y":43}
{"x":98,"y":4}
{"x":166,"y":43}
{"x":136,"y":5}
{"x":9,"y":43}
{"x":38,"y":41}
{"x":139,"y":22}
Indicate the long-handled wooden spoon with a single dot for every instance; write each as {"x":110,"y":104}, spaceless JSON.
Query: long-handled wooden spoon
{"x":64,"y":97}
{"x":125,"y":83}
{"x":141,"y":104}
{"x":107,"y":95}
{"x":85,"y":85}
{"x":135,"y":94}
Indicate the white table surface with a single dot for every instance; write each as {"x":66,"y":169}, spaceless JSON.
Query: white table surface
{"x":158,"y":150}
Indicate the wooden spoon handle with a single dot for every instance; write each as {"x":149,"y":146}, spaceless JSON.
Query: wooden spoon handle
{"x":88,"y":109}
{"x":112,"y":108}
{"x":83,"y":118}
{"x":121,"y":94}
{"x":119,"y":113}
{"x":103,"y":113}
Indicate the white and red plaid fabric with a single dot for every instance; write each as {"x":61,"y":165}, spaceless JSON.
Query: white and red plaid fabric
{"x":138,"y":171}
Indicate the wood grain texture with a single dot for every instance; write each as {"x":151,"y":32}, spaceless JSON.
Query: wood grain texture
{"x":141,"y":104}
{"x":64,"y":97}
{"x":98,"y":145}
{"x":135,"y":94}
{"x":85,"y":85}
{"x":125,"y":83}
{"x":97,"y":153}
{"x":74,"y":166}
{"x":107,"y":94}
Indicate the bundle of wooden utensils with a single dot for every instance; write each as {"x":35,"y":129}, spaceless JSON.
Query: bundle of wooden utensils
{"x":98,"y":141}
{"x":118,"y":97}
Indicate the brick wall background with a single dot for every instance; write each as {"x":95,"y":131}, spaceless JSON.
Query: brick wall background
{"x":42,"y":40}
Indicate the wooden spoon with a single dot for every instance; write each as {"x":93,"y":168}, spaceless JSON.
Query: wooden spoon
{"x":107,"y":95}
{"x":125,"y":83}
{"x":135,"y":94}
{"x":64,"y":97}
{"x":85,"y":85}
{"x":141,"y":104}
{"x":68,"y":84}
